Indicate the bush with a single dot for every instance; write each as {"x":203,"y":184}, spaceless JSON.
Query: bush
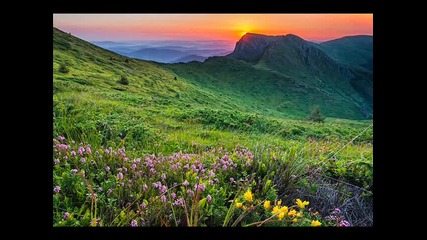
{"x":63,"y":68}
{"x":123,"y":80}
{"x":316,"y":115}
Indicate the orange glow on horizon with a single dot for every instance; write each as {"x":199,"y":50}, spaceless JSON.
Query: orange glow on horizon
{"x":228,"y":27}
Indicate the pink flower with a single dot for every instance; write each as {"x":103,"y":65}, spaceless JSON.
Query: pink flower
{"x":134,"y":223}
{"x":209,"y":198}
{"x":185,"y":183}
{"x":66,"y":215}
{"x":145,"y":187}
{"x":73,"y":153}
{"x":120,"y":175}
{"x":107,"y":169}
{"x":83,"y":160}
{"x":163,"y":198}
{"x":56,"y":189}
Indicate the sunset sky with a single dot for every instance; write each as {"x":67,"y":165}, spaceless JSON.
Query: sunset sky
{"x":229,"y":27}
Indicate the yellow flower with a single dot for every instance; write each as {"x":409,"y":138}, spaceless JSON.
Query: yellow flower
{"x":238,"y":204}
{"x":248,"y":195}
{"x":279,"y":203}
{"x":275,"y":210}
{"x":315,"y":223}
{"x":281,"y":215}
{"x":245,"y":208}
{"x":267,"y":205}
{"x":295,"y":220}
{"x":299,"y":214}
{"x":284,"y":210}
{"x":301,"y":204}
{"x":292,"y":213}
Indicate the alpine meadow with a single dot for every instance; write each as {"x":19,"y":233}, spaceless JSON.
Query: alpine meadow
{"x":277,"y":133}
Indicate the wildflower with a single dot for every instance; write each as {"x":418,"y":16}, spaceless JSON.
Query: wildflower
{"x":279,"y":203}
{"x":245,"y":208}
{"x":88,"y":150}
{"x":163,"y":189}
{"x":247,"y":164}
{"x":133,"y":166}
{"x":281,"y":216}
{"x":211,"y":182}
{"x":292,"y":213}
{"x":143,"y":205}
{"x":200,"y":187}
{"x":301,"y":204}
{"x":163,"y":176}
{"x":81,"y":150}
{"x":295,"y":220}
{"x":344,"y":223}
{"x":190,"y":192}
{"x":163,"y":198}
{"x":232,"y":180}
{"x":328,"y":218}
{"x":56,"y":161}
{"x":299,"y":214}
{"x":134,"y":223}
{"x":61,"y":138}
{"x":211,"y":173}
{"x":93,"y":195}
{"x":209,"y":198}
{"x":120,"y":175}
{"x":179,"y":202}
{"x":109,"y":191}
{"x":65,"y":157}
{"x":145,"y":187}
{"x":238,"y":204}
{"x":316,"y":223}
{"x":337,"y":211}
{"x":56,"y":189}
{"x":100,"y":189}
{"x":248,"y":195}
{"x":107,"y":169}
{"x":73,"y":153}
{"x":83,"y":160}
{"x":267,"y":205}
{"x":185,"y":183}
{"x":173,"y":195}
{"x":66,"y":215}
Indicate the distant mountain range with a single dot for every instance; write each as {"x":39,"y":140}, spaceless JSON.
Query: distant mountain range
{"x":168,"y":51}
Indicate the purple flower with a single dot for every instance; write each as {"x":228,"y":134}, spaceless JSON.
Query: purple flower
{"x":88,"y":150}
{"x":120,"y":175}
{"x":81,"y":150}
{"x":143,"y":205}
{"x":185,"y":183}
{"x":211,"y":182}
{"x":211,"y":173}
{"x":73,"y":153}
{"x":163,"y":189}
{"x":190,"y":192}
{"x":56,"y":189}
{"x":61,"y":138}
{"x":65,"y":157}
{"x":248,"y":164}
{"x":133,"y":166}
{"x":83,"y":160}
{"x":337,"y":211}
{"x":163,"y":176}
{"x":173,"y":195}
{"x":179,"y":202}
{"x":224,"y":167}
{"x":134,"y":223}
{"x":66,"y":215}
{"x":344,"y":223}
{"x":56,"y":161}
{"x":107,"y":169}
{"x":209,"y":198}
{"x":328,"y":218}
{"x":107,"y":151}
{"x":145,"y":187}
{"x":163,"y":198}
{"x":93,"y":195}
{"x":200,"y":187}
{"x":74,"y":171}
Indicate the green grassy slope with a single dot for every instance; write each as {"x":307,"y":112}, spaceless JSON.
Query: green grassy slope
{"x":176,"y":104}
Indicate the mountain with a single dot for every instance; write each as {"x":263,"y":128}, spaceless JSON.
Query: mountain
{"x":190,"y":58}
{"x":351,"y":50}
{"x":273,"y":76}
{"x":339,"y":66}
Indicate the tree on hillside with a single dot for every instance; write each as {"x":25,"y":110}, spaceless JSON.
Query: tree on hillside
{"x":63,"y":68}
{"x":123,"y":80}
{"x":316,"y":115}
